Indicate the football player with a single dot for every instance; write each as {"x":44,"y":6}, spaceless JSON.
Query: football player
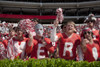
{"x":17,"y":45}
{"x":90,"y":47}
{"x":91,"y":20}
{"x":41,"y":45}
{"x":69,"y":41}
{"x":3,"y":51}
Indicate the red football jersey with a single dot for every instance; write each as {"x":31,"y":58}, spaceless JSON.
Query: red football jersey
{"x":5,"y":42}
{"x":3,"y":53}
{"x":51,"y":47}
{"x":16,"y":48}
{"x":99,"y":39}
{"x":95,"y":33}
{"x":38,"y":50}
{"x":92,"y":52}
{"x":68,"y":45}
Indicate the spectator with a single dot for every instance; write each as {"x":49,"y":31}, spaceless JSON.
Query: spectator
{"x":68,"y":41}
{"x":91,"y":20}
{"x":17,"y":45}
{"x":35,"y":20}
{"x":90,"y":47}
{"x":39,"y":49}
{"x":3,"y":51}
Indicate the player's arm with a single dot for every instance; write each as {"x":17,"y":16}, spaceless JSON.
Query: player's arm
{"x":30,"y":42}
{"x":5,"y":42}
{"x":79,"y":49}
{"x":80,"y":53}
{"x":49,"y":46}
{"x":53,"y":33}
{"x":83,"y":44}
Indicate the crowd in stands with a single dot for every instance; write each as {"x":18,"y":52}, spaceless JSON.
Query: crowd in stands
{"x":67,"y":41}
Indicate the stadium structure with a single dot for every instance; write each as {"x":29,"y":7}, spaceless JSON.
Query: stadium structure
{"x":45,"y":10}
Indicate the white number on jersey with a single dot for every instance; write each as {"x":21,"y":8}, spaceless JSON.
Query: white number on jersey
{"x":68,"y":47}
{"x":19,"y":48}
{"x":95,"y":53}
{"x":39,"y":51}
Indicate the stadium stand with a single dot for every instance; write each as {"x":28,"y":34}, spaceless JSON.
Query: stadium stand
{"x":72,"y":9}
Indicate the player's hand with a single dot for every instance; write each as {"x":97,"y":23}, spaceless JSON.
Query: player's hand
{"x":74,"y":30}
{"x":85,"y":41}
{"x":30,"y":35}
{"x":43,"y":41}
{"x":56,"y":22}
{"x":30,"y":42}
